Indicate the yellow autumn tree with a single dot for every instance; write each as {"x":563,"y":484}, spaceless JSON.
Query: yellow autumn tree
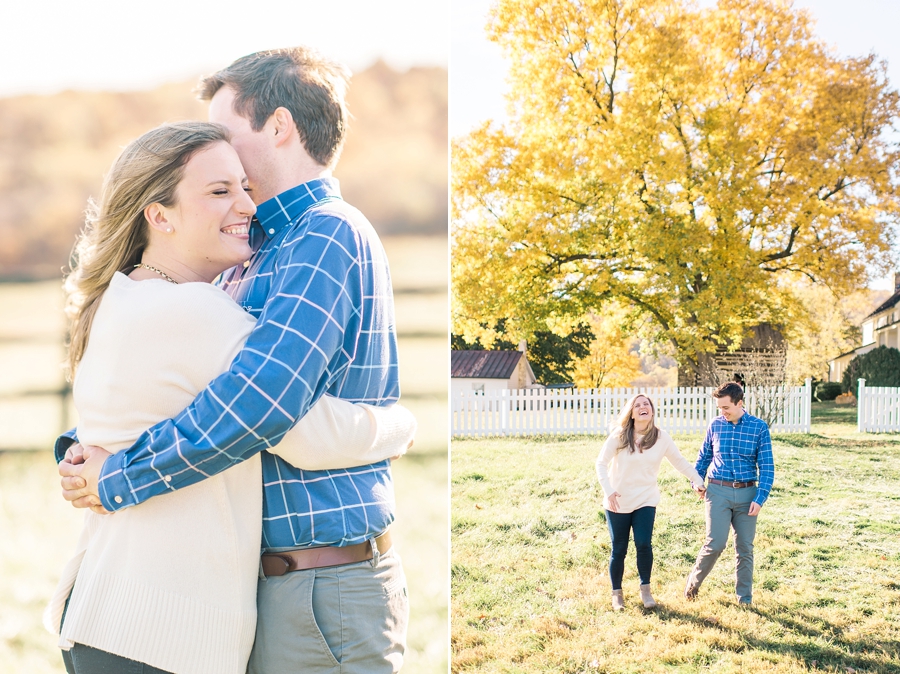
{"x":612,"y":361}
{"x":688,"y":162}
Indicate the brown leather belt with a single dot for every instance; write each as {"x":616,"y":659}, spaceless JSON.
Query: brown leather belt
{"x":733,"y":485}
{"x":280,"y":563}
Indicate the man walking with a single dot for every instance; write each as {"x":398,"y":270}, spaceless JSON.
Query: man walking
{"x":739,"y":448}
{"x":333,"y":596}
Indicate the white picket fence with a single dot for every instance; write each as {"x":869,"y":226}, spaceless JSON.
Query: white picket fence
{"x":878,"y":409}
{"x":563,"y":411}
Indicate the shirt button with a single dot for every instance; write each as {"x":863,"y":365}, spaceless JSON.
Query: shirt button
{"x":271,"y":231}
{"x":118,"y":499}
{"x":246,"y":263}
{"x":168,"y":478}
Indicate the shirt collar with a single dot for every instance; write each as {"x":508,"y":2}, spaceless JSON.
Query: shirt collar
{"x":283,"y":209}
{"x":736,"y":423}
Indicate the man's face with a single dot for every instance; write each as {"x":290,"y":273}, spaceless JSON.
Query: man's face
{"x":253,"y":147}
{"x":731,"y":411}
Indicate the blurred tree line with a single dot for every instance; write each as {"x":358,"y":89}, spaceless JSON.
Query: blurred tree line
{"x":54,"y":151}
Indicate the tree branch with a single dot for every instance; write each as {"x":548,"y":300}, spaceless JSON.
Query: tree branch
{"x":788,"y":250}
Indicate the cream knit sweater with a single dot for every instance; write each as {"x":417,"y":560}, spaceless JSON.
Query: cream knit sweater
{"x":172,"y":582}
{"x":633,"y":475}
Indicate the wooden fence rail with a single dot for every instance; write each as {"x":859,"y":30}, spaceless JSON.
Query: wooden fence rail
{"x":563,"y":411}
{"x":33,"y":409}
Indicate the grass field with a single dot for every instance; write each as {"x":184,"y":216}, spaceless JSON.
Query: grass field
{"x":39,"y":529}
{"x":530,"y":587}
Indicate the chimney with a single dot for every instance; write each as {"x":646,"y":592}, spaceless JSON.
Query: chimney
{"x":523,"y":347}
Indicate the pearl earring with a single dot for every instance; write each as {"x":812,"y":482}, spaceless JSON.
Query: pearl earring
{"x":168,"y":229}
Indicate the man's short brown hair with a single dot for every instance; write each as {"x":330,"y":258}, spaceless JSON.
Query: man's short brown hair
{"x":311,"y":86}
{"x":731,"y":390}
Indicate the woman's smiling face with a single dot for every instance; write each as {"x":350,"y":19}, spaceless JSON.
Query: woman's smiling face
{"x":642,"y":410}
{"x":211,"y":217}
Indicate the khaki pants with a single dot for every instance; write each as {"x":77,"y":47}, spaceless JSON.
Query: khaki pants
{"x":726,"y":509}
{"x":348,"y":619}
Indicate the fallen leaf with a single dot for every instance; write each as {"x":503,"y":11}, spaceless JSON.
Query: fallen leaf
{"x":478,"y":506}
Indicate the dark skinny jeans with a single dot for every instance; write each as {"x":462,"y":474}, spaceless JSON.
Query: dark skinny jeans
{"x":620,"y":527}
{"x":83,"y":659}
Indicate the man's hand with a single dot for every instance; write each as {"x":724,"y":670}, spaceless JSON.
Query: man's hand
{"x":81,"y":477}
{"x":754,"y":509}
{"x":75,"y":454}
{"x":614,"y":501}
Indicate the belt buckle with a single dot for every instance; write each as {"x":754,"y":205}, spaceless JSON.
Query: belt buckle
{"x":282,"y":564}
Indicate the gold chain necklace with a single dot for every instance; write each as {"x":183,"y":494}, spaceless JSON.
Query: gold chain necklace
{"x":161,"y":273}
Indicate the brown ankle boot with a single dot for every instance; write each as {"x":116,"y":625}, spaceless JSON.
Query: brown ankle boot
{"x":646,"y":597}
{"x":618,"y":601}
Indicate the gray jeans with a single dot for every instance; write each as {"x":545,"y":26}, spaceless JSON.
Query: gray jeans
{"x":336,"y":620}
{"x":726,"y":508}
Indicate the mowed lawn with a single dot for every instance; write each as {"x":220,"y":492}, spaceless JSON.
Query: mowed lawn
{"x":530,"y":551}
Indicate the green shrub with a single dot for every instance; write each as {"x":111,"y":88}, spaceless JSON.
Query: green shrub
{"x":828,"y":390}
{"x":879,"y":367}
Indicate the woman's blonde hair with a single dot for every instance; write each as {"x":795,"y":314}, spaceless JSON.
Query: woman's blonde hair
{"x":147,"y":171}
{"x":625,"y":426}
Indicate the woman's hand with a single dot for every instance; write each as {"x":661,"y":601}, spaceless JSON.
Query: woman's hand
{"x":408,"y":447}
{"x":614,"y":501}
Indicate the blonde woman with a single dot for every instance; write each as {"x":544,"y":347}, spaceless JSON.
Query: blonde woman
{"x":627,"y":467}
{"x":170,"y":585}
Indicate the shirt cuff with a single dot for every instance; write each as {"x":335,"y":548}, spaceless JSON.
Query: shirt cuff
{"x":607,"y":488}
{"x":115,"y":490}
{"x":63,"y":442}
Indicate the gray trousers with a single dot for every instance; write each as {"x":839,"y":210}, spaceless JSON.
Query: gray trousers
{"x":348,"y":619}
{"x":726,"y":508}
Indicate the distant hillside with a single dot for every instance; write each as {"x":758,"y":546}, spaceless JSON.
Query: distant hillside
{"x":54,"y":151}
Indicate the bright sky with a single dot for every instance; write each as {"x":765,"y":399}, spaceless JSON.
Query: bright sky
{"x":51,"y":45}
{"x":477,"y":75}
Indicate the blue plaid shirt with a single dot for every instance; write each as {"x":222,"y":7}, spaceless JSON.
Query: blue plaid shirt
{"x":320,"y":288}
{"x":737,"y":451}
